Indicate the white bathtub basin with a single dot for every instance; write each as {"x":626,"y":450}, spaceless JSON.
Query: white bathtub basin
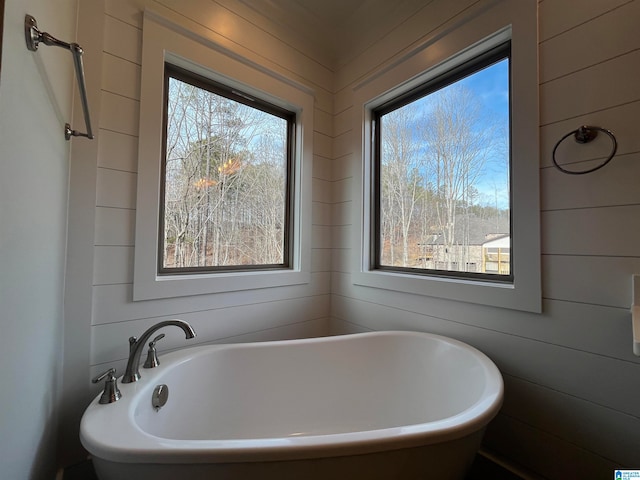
{"x":289,"y":402}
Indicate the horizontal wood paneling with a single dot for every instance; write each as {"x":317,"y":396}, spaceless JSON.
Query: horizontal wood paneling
{"x":557,"y":367}
{"x":323,"y":122}
{"x":321,"y":236}
{"x":343,"y":168}
{"x":552,"y":456}
{"x":128,"y":12}
{"x":554,"y":422}
{"x":421,"y":23}
{"x":343,"y":144}
{"x":342,"y":189}
{"x":342,"y":213}
{"x":120,"y":76}
{"x":589,"y":231}
{"x":341,"y":262}
{"x":109,"y":340}
{"x":113,"y":265}
{"x":112,"y":303}
{"x":321,"y":168}
{"x":118,"y":151}
{"x":268,"y":312}
{"x":597,"y":435}
{"x":558,"y":17}
{"x":115,"y":226}
{"x":323,"y":187}
{"x":367,"y":29}
{"x":322,"y":144}
{"x":237,"y":33}
{"x":589,"y":279}
{"x":343,"y":121}
{"x":602,"y":86}
{"x":312,"y":49}
{"x":321,"y":213}
{"x":339,"y":326}
{"x":341,"y":236}
{"x":576,"y":49}
{"x":116,"y":188}
{"x":123,"y":40}
{"x":581,"y":326}
{"x":561,"y":192}
{"x":615,"y":119}
{"x":310,"y":328}
{"x":321,"y":261}
{"x":119,"y":114}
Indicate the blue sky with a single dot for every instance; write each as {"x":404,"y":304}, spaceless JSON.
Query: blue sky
{"x":490,"y":86}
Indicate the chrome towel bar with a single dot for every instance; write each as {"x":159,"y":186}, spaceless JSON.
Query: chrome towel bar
{"x":34,"y":37}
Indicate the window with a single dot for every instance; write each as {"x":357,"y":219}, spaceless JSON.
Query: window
{"x":257,"y":237}
{"x":226,"y":179}
{"x":499,"y":265}
{"x":441,"y":173}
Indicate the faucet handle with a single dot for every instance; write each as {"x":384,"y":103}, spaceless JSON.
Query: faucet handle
{"x":153,"y":342}
{"x":152,"y":355}
{"x":111,"y":392}
{"x":109,"y":373}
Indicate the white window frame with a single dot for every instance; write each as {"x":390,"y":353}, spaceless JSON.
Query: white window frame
{"x":165,"y":41}
{"x":480,"y":30}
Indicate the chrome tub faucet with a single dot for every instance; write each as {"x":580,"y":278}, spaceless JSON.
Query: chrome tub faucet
{"x":137,"y":345}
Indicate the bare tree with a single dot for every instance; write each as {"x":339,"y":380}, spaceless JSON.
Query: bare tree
{"x":458,"y":140}
{"x":221,"y":161}
{"x":400,"y":182}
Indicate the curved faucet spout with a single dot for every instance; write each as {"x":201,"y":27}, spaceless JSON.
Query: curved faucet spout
{"x":137,"y":345}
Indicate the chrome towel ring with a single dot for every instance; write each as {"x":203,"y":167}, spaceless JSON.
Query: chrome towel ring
{"x":585,"y":134}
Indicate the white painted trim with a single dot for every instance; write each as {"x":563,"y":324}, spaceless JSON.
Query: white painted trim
{"x":164,"y":40}
{"x":185,"y":32}
{"x":478,"y":30}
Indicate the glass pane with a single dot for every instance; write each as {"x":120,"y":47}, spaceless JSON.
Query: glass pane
{"x":444,"y":178}
{"x":225,"y":182}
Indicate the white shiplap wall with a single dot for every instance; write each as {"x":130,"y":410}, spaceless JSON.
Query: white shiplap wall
{"x":572,"y":393}
{"x":270,"y":313}
{"x":572,"y":406}
{"x":108,"y":174}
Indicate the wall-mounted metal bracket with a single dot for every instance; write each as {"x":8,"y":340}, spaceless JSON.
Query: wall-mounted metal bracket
{"x":34,"y":38}
{"x":585,"y":134}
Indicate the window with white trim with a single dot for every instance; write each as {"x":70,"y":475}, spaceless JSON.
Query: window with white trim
{"x":280,"y":147}
{"x":505,"y":269}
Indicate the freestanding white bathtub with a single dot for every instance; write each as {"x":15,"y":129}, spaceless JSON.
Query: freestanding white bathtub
{"x":380,"y":405}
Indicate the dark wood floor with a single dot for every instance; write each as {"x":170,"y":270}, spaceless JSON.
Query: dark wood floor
{"x":483,"y":469}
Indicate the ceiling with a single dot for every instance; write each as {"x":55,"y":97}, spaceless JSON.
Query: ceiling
{"x":329,"y":11}
{"x":338,"y":28}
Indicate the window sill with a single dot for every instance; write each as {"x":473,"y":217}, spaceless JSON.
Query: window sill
{"x":516,"y":297}
{"x":169,"y":286}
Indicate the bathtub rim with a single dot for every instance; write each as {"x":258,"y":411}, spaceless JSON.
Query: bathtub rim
{"x":138,"y":446}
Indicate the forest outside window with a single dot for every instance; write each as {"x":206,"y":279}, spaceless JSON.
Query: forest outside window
{"x":442,"y":163}
{"x":226,"y":179}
